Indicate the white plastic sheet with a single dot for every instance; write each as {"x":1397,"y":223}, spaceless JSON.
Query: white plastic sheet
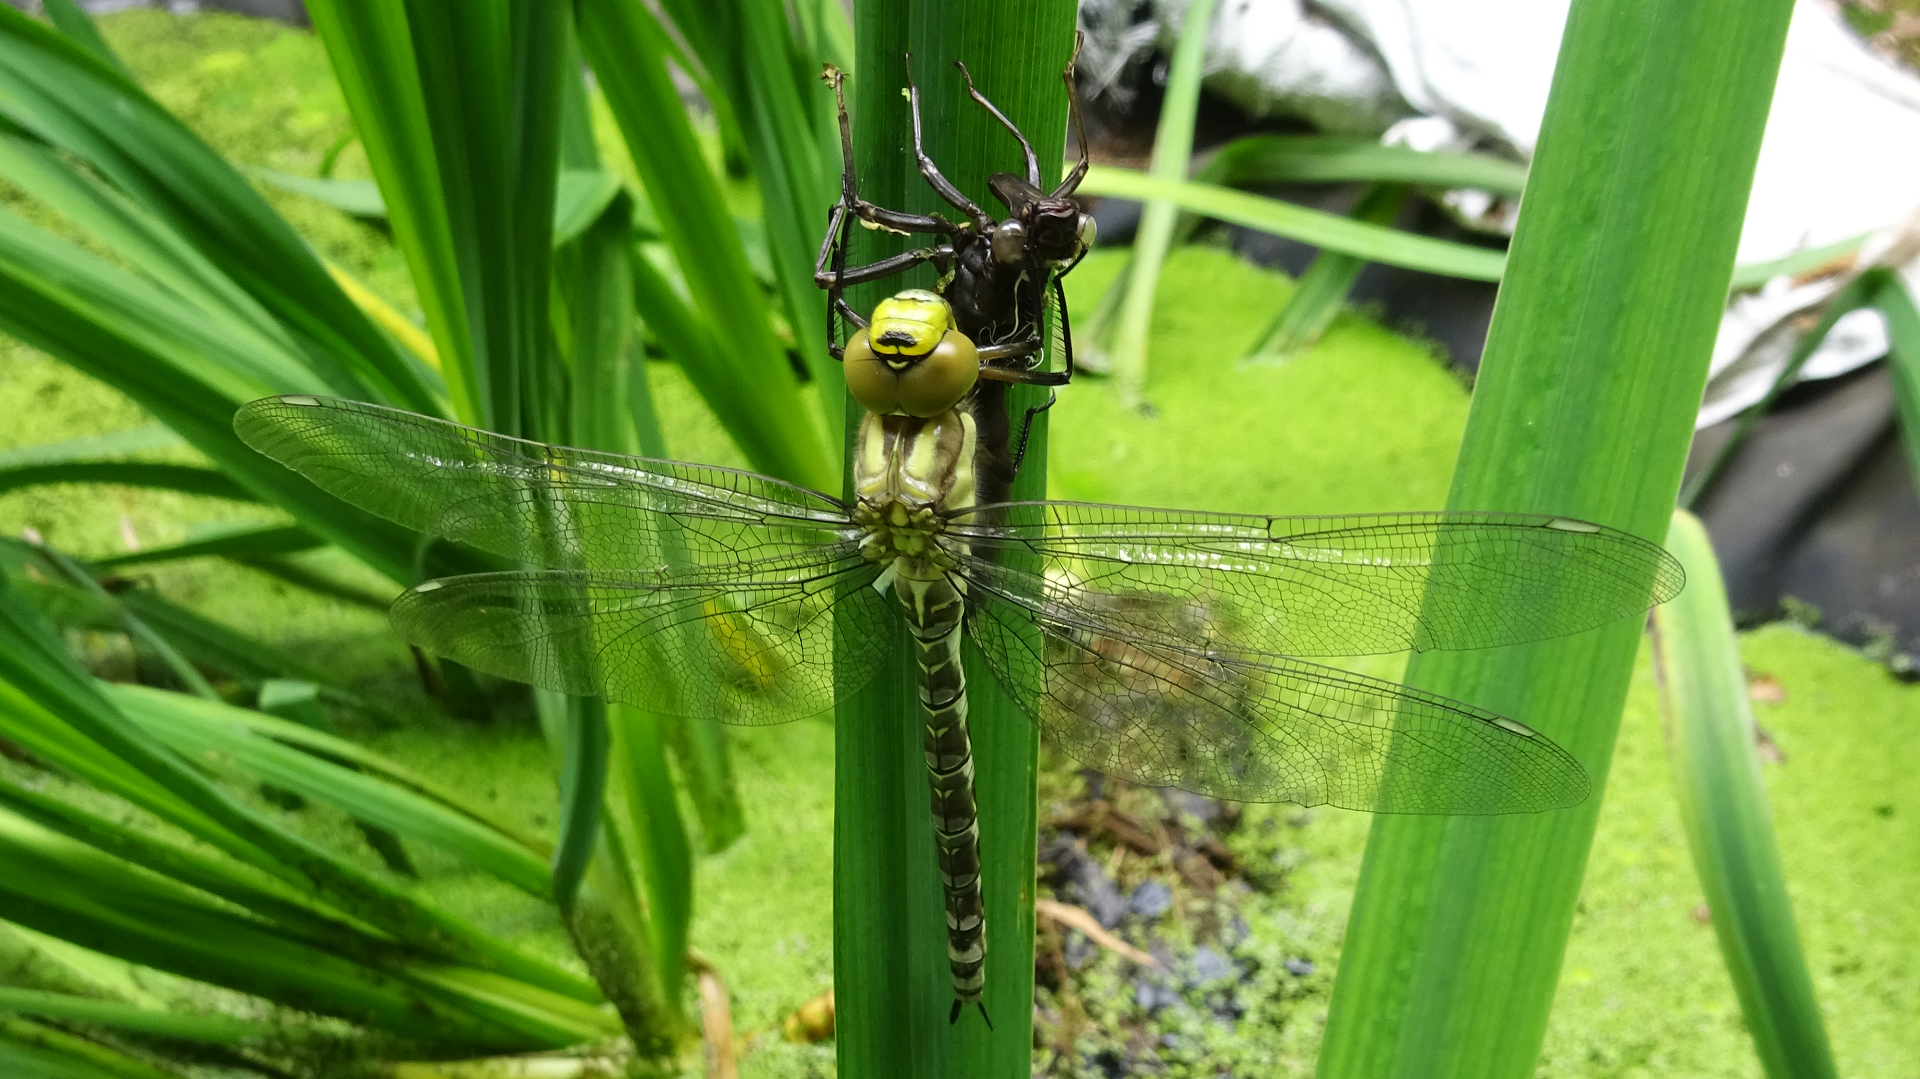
{"x":1841,"y":155}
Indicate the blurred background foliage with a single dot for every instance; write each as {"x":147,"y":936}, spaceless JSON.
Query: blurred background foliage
{"x":442,"y":805}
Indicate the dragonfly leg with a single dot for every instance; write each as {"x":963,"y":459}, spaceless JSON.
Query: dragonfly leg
{"x":837,"y":279}
{"x":940,"y":184}
{"x":840,"y":277}
{"x":1033,"y":161}
{"x":1026,"y":428}
{"x":1071,"y":182}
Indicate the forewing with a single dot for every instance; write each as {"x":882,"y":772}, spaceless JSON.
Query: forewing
{"x":530,"y":502}
{"x":1272,"y":731}
{"x":1322,"y":586}
{"x":751,"y":644}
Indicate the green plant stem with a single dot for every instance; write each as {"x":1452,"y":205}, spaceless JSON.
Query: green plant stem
{"x":1723,"y":804}
{"x":1172,"y":147}
{"x":1327,"y":231}
{"x":1856,"y":294}
{"x":1584,"y":407}
{"x":1903,"y":333}
{"x":212,"y":1029}
{"x":86,"y":1058}
{"x":892,"y":988}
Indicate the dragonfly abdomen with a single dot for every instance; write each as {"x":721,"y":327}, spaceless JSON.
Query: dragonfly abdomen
{"x":935,"y":612}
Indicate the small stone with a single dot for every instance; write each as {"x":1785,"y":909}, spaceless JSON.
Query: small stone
{"x":1235,"y":932}
{"x":1211,"y":966}
{"x":1299,"y":968}
{"x":1150,"y":900}
{"x":1154,"y":995}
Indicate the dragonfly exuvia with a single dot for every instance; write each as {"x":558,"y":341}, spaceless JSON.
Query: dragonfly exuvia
{"x":1159,"y":646}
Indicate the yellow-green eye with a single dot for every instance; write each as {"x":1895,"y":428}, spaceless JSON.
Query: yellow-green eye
{"x":938,"y":382}
{"x":871,"y":381}
{"x":912,"y":385}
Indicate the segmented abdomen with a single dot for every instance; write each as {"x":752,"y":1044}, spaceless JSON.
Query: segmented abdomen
{"x":935,"y":613}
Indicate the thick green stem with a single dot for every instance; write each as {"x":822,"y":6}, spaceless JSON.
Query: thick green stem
{"x":891,"y":982}
{"x":1584,"y":407}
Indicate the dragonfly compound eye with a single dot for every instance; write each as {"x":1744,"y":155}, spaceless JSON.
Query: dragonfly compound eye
{"x":1009,"y":242}
{"x":1089,"y":229}
{"x":911,"y":359}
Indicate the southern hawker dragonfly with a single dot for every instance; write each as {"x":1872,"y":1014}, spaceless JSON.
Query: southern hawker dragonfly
{"x":1158,"y":646}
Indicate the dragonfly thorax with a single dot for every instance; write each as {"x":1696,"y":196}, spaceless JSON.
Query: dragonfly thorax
{"x":896,"y":531}
{"x":909,"y":472}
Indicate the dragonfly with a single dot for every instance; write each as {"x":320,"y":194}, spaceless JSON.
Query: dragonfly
{"x":1165,"y":647}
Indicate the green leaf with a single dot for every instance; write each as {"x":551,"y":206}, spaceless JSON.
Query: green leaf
{"x":264,"y":897}
{"x":71,"y":19}
{"x":892,"y":986}
{"x":92,"y":447}
{"x":656,"y":840}
{"x":186,"y":479}
{"x":579,"y":197}
{"x":583,"y":789}
{"x":1322,"y":289}
{"x":1855,"y":294}
{"x":747,"y":380}
{"x":1323,"y":230}
{"x":1754,"y":274}
{"x":130,"y":623}
{"x":199,"y":729}
{"x":355,"y":198}
{"x":152,"y":345}
{"x":371,"y":49}
{"x":1274,"y":159}
{"x":211,"y":1029}
{"x":55,"y":711}
{"x":771,"y":78}
{"x":61,"y":887}
{"x":44,"y":1052}
{"x":231,"y":541}
{"x":68,"y":98}
{"x":1903,"y":359}
{"x":1723,"y":804}
{"x":706,"y":774}
{"x":1584,"y":407}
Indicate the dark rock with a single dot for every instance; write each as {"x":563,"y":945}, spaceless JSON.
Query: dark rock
{"x":1108,"y":1063}
{"x":1211,"y":966}
{"x":1299,"y":968}
{"x":1056,"y":847}
{"x":1153,"y":995}
{"x":1086,"y":882}
{"x":1235,"y":932}
{"x":1151,"y":899}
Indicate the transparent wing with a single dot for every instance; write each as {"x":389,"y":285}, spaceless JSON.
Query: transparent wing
{"x":534,"y":503}
{"x":751,"y":645}
{"x":1322,"y":586}
{"x":1266,"y":730}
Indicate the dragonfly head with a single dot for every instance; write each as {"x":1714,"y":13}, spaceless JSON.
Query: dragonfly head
{"x":911,"y":359}
{"x":1056,"y":230}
